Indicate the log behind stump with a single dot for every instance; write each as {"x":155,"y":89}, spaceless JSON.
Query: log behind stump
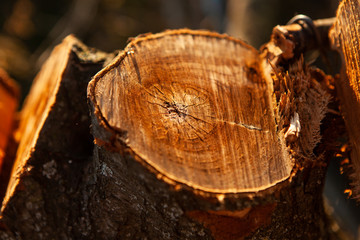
{"x":44,"y":197}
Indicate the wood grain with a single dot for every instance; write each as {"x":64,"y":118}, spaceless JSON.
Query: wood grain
{"x":345,"y":36}
{"x":194,"y":106}
{"x":206,"y":113}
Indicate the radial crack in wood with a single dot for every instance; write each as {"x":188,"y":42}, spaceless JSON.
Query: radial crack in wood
{"x":196,"y":107}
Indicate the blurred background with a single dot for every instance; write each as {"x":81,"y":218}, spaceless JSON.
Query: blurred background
{"x":29,"y":29}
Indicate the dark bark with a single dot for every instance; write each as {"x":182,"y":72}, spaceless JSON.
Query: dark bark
{"x":47,"y":197}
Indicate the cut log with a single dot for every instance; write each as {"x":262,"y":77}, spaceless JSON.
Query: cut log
{"x":193,"y":127}
{"x":44,"y":195}
{"x":9,"y":97}
{"x":195,"y":113}
{"x":345,"y":38}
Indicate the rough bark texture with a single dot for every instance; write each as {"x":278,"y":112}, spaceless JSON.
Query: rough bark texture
{"x":345,"y":38}
{"x":44,"y":197}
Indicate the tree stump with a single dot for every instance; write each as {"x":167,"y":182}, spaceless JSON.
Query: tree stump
{"x":345,"y":37}
{"x":198,"y":138}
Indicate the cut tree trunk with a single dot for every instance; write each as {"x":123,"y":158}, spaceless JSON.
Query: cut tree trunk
{"x":196,"y":136}
{"x":186,"y":126}
{"x":345,"y":38}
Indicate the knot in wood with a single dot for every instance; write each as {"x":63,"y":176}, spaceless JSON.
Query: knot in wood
{"x":176,"y":111}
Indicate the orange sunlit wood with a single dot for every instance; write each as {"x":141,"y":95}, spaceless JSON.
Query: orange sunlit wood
{"x":8,"y":105}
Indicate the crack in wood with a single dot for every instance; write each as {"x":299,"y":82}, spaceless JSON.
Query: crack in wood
{"x":133,"y":59}
{"x":175,"y":110}
{"x":250,"y":127}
